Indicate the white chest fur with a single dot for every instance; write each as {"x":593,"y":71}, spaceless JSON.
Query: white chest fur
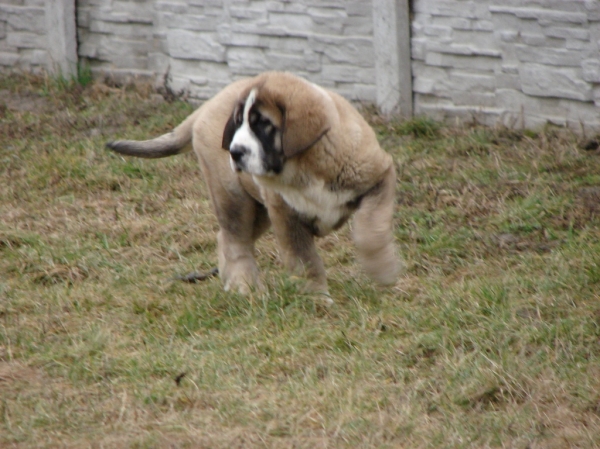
{"x":315,"y":202}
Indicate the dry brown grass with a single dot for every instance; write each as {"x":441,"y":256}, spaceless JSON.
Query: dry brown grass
{"x":490,"y":339}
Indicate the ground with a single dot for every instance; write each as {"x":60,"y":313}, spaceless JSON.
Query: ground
{"x":490,"y":338}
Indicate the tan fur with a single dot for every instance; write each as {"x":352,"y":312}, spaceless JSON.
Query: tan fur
{"x":334,"y":164}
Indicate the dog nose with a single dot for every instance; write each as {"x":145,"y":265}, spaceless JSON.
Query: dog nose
{"x":237,"y":151}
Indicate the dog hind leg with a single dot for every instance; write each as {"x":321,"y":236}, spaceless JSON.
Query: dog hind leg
{"x":373,"y":232}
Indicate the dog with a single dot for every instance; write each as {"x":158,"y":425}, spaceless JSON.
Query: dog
{"x":276,"y":150}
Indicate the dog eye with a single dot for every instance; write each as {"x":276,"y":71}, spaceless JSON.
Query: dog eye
{"x":253,"y":118}
{"x":264,"y":121}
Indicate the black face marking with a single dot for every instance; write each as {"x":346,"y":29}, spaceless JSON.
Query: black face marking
{"x":232,"y":125}
{"x":238,"y":115}
{"x":270,"y":139}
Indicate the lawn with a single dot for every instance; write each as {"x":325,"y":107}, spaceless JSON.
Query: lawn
{"x":490,"y":338}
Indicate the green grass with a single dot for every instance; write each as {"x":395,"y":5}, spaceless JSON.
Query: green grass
{"x":491,"y":337}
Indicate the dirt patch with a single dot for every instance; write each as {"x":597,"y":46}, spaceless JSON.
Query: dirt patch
{"x":15,"y":376}
{"x":22,"y":102}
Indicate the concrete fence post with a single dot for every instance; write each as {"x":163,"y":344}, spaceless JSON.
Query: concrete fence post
{"x":61,"y":37}
{"x":391,"y":40}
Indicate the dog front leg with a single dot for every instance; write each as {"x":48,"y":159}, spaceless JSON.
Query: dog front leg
{"x":297,"y":244}
{"x":237,"y":266}
{"x":373,"y":232}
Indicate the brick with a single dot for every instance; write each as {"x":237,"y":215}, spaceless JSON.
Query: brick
{"x":247,"y":61}
{"x":364,"y":93}
{"x":509,"y":22}
{"x":195,"y":45}
{"x":83,"y":17}
{"x":486,"y":41}
{"x":125,"y":60}
{"x":88,"y":49}
{"x":474,"y":99}
{"x":463,"y":50}
{"x":418,"y":48}
{"x":9,"y":59}
{"x":211,"y":3}
{"x":125,"y":17}
{"x":534,"y":40}
{"x":359,"y":8}
{"x":509,"y":35}
{"x":38,"y":57}
{"x":174,"y":7}
{"x":488,"y":116}
{"x":293,"y":23}
{"x":179,"y":84}
{"x":544,"y":16}
{"x":121,"y":29}
{"x":358,"y":26}
{"x":456,"y":23}
{"x":465,"y":9}
{"x":188,"y":21}
{"x":28,"y":19}
{"x":327,"y":21}
{"x":437,"y":31}
{"x":267,"y":30}
{"x":158,"y":62}
{"x":431,"y":80}
{"x":480,"y":63}
{"x":294,"y":63}
{"x":247,"y":13}
{"x":567,"y":33}
{"x":550,"y":56}
{"x":351,"y":50}
{"x":214,"y":72}
{"x":591,"y":70}
{"x":560,"y":82}
{"x":581,"y":46}
{"x":23,"y":39}
{"x":532,"y":112}
{"x":279,"y":6}
{"x":228,"y":38}
{"x":596,"y":95}
{"x":287,"y":44}
{"x":483,"y":25}
{"x":347,"y":73}
{"x":469,"y":82}
{"x":508,"y":81}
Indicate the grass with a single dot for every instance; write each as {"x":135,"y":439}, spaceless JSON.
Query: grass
{"x":491,"y":338}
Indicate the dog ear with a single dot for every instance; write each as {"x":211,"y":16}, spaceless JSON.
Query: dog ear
{"x":229,"y":131}
{"x":306,"y":111}
{"x":304,"y":124}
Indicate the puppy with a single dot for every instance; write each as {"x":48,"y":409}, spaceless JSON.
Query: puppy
{"x":276,"y":150}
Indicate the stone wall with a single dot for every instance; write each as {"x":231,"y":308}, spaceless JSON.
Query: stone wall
{"x":518,"y":62}
{"x":522,"y":63}
{"x":206,"y":44}
{"x":23,"y":34}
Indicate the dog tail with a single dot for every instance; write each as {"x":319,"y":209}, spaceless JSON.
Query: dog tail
{"x":176,"y":142}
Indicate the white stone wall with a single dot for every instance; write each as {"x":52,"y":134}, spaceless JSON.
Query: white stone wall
{"x":206,"y":44}
{"x":116,"y":35}
{"x":522,"y":63}
{"x":519,"y":62}
{"x":23,"y":34}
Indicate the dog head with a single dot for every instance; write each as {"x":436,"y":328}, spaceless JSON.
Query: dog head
{"x":278,"y":118}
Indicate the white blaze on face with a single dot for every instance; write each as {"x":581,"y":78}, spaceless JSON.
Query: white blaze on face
{"x":252,"y":160}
